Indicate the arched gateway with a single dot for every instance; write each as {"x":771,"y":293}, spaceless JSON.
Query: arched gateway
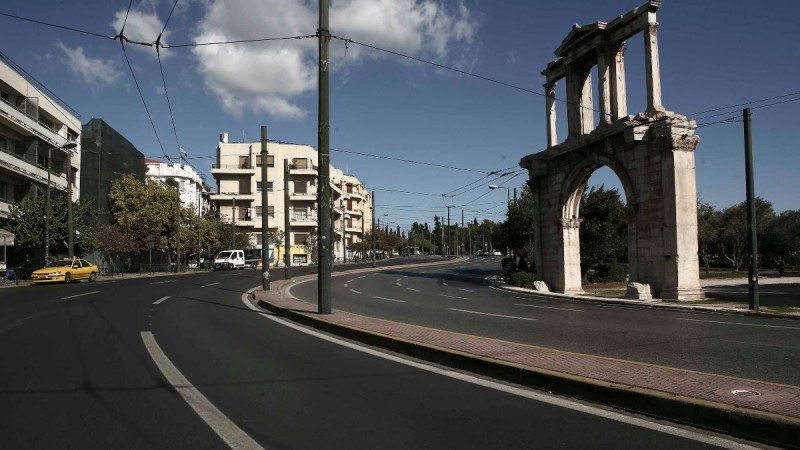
{"x":652,"y":153}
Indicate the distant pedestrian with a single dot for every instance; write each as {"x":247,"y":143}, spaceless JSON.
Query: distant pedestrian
{"x":781,"y":269}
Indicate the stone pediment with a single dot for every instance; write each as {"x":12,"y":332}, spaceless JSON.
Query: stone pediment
{"x":578,"y":35}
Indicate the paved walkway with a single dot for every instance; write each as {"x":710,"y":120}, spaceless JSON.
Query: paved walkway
{"x":749,"y":409}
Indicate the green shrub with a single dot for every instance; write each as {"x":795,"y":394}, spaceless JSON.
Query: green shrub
{"x":608,"y":272}
{"x":521,"y":279}
{"x":508,"y":266}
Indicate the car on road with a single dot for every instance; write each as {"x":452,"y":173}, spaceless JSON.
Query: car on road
{"x":65,"y":271}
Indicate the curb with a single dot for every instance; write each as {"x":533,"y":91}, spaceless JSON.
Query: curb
{"x":732,"y":420}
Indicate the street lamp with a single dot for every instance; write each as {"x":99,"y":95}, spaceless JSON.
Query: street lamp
{"x":68,"y":146}
{"x":508,"y":206}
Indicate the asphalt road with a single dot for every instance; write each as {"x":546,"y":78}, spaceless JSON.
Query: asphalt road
{"x":456,"y":298}
{"x":83,"y":366}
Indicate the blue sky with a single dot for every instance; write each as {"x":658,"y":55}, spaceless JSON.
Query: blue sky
{"x":714,"y":54}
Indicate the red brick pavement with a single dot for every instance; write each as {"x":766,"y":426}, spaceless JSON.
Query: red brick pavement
{"x":697,"y":398}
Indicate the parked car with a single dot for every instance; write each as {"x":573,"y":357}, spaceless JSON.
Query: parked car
{"x":65,"y":271}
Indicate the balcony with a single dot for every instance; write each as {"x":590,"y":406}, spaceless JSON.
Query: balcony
{"x":244,"y":168}
{"x":303,"y":169}
{"x":301,"y":196}
{"x":230,"y":196}
{"x":299,"y":220}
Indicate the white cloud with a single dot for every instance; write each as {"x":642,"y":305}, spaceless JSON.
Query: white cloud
{"x":93,"y":71}
{"x":269,"y":77}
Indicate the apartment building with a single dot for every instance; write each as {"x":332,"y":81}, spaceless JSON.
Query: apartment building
{"x":39,"y":138}
{"x":192,"y":188}
{"x":238,"y":175}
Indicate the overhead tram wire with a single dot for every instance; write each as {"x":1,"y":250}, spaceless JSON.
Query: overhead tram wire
{"x":158,"y":44}
{"x":391,"y":158}
{"x":62,"y":27}
{"x":752,"y":102}
{"x":243,"y":41}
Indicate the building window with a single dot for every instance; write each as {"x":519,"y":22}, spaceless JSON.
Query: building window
{"x":269,"y":186}
{"x":300,"y":163}
{"x":259,"y":211}
{"x":271,"y":212}
{"x":270,"y":160}
{"x":300,"y":238}
{"x":300,"y":214}
{"x":244,"y":162}
{"x":300,"y":187}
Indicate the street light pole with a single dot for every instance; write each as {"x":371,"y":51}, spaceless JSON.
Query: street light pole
{"x":508,"y":207}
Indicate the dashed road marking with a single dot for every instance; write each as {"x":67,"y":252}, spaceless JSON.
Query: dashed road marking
{"x":354,"y":291}
{"x":79,"y":295}
{"x":490,"y":314}
{"x":742,"y":324}
{"x":162,"y":282}
{"x":389,"y":299}
{"x":454,"y":296}
{"x":158,"y":302}
{"x":548,"y":307}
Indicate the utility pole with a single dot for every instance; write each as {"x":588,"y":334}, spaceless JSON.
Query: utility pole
{"x":233,"y":222}
{"x":286,"y":223}
{"x":373,"y":229}
{"x":752,"y":238}
{"x":323,"y":147}
{"x":178,"y":227}
{"x":344,"y":239}
{"x":70,"y":225}
{"x":264,"y":213}
{"x":449,"y":234}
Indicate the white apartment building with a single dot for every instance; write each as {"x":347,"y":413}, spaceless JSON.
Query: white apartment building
{"x":192,"y":187}
{"x":238,"y":175}
{"x":34,"y":131}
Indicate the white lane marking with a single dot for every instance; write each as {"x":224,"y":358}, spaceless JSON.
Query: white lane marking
{"x":412,"y":289}
{"x":531,"y":395}
{"x":490,"y":314}
{"x":465,"y":290}
{"x":210,"y":284}
{"x":548,"y":307}
{"x":349,"y":281}
{"x":743,"y":324}
{"x":362,"y":276}
{"x":79,"y":295}
{"x":444,"y":283}
{"x":162,"y":282}
{"x":346,"y":285}
{"x":790,"y":347}
{"x":158,"y":302}
{"x":454,"y":296}
{"x":221,"y":424}
{"x":398,"y":280}
{"x":389,"y":299}
{"x":354,"y":291}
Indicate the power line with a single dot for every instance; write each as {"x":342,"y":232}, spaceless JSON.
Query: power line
{"x":406,"y":160}
{"x":57,"y":26}
{"x":242,"y":41}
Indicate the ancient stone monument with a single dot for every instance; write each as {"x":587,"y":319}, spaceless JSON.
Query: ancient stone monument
{"x":652,"y":153}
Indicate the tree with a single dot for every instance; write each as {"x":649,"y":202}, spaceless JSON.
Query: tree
{"x":782,"y":237}
{"x":143,"y":210}
{"x":519,"y":226}
{"x":29,"y":220}
{"x":732,"y":237}
{"x":604,"y":227}
{"x":707,"y":230}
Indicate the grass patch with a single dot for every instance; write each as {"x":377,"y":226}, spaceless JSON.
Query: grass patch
{"x":607,"y":293}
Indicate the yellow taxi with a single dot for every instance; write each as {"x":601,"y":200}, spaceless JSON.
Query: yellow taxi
{"x":65,"y":271}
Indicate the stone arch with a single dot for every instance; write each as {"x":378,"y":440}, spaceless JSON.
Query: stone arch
{"x":652,"y":154}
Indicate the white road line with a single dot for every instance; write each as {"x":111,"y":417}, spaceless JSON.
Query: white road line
{"x":412,"y":289}
{"x":162,"y":282}
{"x":490,"y":314}
{"x":210,"y":284}
{"x":389,"y":299}
{"x":349,"y":281}
{"x":465,"y":290}
{"x":354,"y":291}
{"x":548,"y":307}
{"x":221,"y":424}
{"x":398,"y":284}
{"x":79,"y":295}
{"x":529,"y":394}
{"x":444,"y":283}
{"x":743,"y":324}
{"x":789,"y":347}
{"x":398,"y":280}
{"x":158,"y":302}
{"x":454,"y":296}
{"x":346,"y":285}
{"x":362,"y":276}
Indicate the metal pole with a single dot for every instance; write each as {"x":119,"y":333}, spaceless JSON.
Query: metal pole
{"x":233,"y":223}
{"x":449,"y":232}
{"x":752,"y":237}
{"x":373,"y":229}
{"x":323,"y":186}
{"x":70,"y":225}
{"x":47,"y":213}
{"x":344,"y":237}
{"x":178,"y":227}
{"x":286,"y":222}
{"x":264,"y":213}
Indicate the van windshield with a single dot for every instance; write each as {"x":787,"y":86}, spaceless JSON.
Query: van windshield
{"x":224,"y":255}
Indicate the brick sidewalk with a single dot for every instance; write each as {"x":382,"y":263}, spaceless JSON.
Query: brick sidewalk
{"x":700,"y":399}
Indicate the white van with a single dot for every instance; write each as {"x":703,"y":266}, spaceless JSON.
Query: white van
{"x":230,"y":259}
